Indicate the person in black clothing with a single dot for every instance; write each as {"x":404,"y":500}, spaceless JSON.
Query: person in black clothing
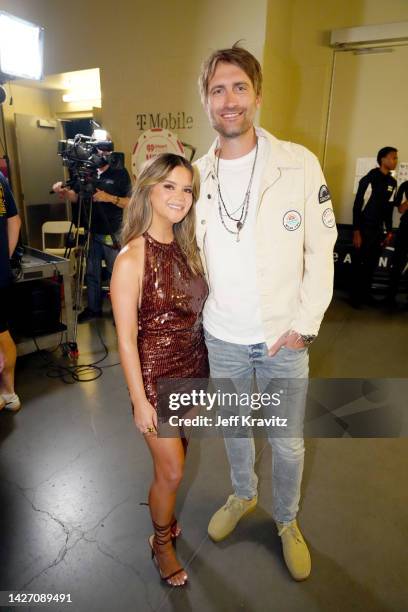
{"x":400,"y":245}
{"x":373,"y":207}
{"x":10,"y":224}
{"x":107,"y":212}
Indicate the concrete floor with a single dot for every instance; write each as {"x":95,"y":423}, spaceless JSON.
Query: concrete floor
{"x":73,"y":472}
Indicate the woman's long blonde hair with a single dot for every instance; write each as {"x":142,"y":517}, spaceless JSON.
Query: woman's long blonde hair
{"x":139,"y":212}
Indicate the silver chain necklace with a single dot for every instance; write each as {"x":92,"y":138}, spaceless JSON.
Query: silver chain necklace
{"x":240,"y":221}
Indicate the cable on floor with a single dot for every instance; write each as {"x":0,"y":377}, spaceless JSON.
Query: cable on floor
{"x":71,"y":374}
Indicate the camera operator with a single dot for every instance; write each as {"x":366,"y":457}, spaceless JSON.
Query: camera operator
{"x":10,"y":224}
{"x":110,"y":198}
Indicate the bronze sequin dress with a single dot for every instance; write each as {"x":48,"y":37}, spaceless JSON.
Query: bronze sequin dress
{"x":170,"y":336}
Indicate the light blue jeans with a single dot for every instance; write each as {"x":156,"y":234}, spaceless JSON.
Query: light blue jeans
{"x":240,"y":363}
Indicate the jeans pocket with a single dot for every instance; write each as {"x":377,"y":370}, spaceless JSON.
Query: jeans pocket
{"x":293,"y":350}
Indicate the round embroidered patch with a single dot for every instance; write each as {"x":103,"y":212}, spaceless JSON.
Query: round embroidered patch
{"x":328,"y":218}
{"x":292,"y":220}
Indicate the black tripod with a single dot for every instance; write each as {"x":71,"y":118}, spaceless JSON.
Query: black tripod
{"x":82,"y":247}
{"x":85,"y":203}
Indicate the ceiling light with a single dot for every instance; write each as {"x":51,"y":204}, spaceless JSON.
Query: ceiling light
{"x":21,"y":48}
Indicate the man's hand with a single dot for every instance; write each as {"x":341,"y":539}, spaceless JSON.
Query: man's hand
{"x":57,"y":186}
{"x":357,"y":240}
{"x":291,"y":340}
{"x":387,"y":241}
{"x":102,"y":196}
{"x":64,"y":192}
{"x":402,"y":208}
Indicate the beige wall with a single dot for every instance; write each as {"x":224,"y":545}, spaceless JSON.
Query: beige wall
{"x":151,"y":65}
{"x":278,"y":68}
{"x":298,"y":61}
{"x":149,"y":53}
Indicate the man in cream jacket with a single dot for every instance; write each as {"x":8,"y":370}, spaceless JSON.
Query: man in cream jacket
{"x":266,"y":232}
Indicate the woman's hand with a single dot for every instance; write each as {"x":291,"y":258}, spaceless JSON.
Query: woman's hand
{"x":145,"y":417}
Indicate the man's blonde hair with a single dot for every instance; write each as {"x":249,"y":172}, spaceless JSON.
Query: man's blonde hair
{"x":236,"y":55}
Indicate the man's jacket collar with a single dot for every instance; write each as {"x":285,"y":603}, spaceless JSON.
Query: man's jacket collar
{"x":277,"y":155}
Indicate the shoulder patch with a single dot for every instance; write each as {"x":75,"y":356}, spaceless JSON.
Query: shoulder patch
{"x":324,"y":194}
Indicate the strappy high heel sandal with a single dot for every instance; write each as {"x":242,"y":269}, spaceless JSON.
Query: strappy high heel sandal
{"x":175,"y":529}
{"x":162,"y":536}
{"x":174,"y":523}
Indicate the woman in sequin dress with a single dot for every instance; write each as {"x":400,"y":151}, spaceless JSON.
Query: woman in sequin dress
{"x":158,"y":292}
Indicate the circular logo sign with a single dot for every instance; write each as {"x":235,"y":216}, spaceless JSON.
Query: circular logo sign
{"x":292,"y":220}
{"x":152,"y":143}
{"x":328,"y":218}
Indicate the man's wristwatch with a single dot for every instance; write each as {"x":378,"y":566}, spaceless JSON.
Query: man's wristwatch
{"x":307,"y":338}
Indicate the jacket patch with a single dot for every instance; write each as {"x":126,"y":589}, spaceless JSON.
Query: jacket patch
{"x":324,"y":194}
{"x":328,"y":218}
{"x":292,"y":220}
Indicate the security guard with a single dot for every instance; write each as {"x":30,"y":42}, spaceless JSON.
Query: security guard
{"x":373,"y":207}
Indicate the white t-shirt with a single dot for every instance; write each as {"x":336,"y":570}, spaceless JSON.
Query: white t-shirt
{"x":232,"y":311}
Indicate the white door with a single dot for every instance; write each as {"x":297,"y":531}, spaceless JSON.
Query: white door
{"x":369,"y":110}
{"x":40,"y":167}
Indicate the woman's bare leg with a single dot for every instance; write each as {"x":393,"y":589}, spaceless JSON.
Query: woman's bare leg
{"x":168,"y":460}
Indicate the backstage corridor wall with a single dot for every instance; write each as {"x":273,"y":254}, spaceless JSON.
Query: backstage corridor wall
{"x":149,"y":54}
{"x":298,"y":60}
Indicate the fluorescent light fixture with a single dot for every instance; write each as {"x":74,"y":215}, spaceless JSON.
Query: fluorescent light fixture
{"x":79,"y":96}
{"x":21,"y":48}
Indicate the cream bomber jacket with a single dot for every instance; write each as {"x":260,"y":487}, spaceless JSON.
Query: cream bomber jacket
{"x":295,"y":236}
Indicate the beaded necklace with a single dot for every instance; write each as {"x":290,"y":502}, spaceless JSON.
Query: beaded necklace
{"x":242,"y":210}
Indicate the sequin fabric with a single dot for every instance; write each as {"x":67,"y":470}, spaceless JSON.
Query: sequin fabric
{"x":170,"y":336}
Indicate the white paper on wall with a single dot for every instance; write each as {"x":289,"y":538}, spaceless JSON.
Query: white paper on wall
{"x":363,"y":167}
{"x":402,"y":174}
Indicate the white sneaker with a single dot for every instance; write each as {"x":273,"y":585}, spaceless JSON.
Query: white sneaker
{"x":12,"y":402}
